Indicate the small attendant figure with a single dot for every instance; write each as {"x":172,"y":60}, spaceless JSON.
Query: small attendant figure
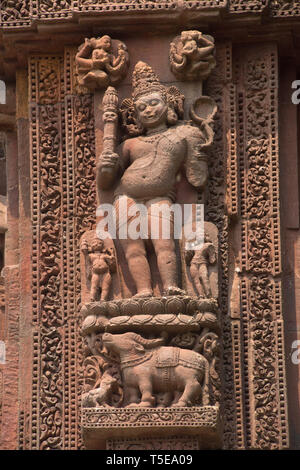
{"x":101,"y":263}
{"x":199,"y":263}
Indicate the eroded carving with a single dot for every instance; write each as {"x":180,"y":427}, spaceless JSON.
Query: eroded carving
{"x":98,"y":65}
{"x":192,"y":55}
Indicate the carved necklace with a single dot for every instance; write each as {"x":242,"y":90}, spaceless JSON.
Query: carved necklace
{"x":154,"y":137}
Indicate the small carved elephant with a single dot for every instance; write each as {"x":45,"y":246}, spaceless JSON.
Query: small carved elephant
{"x":148,"y":368}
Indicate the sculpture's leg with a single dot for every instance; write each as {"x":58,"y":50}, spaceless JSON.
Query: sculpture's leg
{"x":96,"y":77}
{"x":177,"y":395}
{"x":138,"y":265}
{"x":131,"y":396}
{"x":146,"y":390}
{"x":161,"y":223}
{"x":191,"y":392}
{"x":194,"y":270}
{"x":95,"y":283}
{"x":166,"y":262}
{"x":106,"y":282}
{"x":203,"y":274}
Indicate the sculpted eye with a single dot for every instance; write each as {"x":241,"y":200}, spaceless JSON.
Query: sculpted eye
{"x":154,"y":102}
{"x":141,"y":107}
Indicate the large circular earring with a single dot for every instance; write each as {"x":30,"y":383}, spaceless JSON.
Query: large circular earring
{"x":171,"y":116}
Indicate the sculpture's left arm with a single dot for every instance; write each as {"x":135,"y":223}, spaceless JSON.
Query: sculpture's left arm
{"x":196,"y":167}
{"x":212,"y":254}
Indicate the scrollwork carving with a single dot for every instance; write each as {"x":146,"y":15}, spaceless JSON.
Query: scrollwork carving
{"x":264,"y":373}
{"x":84,"y":145}
{"x":12,"y":10}
{"x":47,"y":6}
{"x":255,"y":6}
{"x":285,"y":8}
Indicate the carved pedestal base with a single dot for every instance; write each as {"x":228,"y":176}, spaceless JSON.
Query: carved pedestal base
{"x":200,"y":423}
{"x":172,"y":313}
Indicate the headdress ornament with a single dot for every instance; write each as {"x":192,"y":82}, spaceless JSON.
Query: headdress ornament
{"x":145,"y":80}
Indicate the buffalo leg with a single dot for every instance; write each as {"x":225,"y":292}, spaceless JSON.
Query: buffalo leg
{"x":191,"y":392}
{"x":146,"y":391}
{"x":131,"y":396}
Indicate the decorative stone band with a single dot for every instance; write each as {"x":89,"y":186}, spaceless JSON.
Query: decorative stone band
{"x":171,"y":323}
{"x":28,"y":15}
{"x":184,"y":305}
{"x":173,"y":443}
{"x":107,"y":423}
{"x":27,"y":12}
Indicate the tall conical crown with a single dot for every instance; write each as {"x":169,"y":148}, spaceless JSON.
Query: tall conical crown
{"x":145,"y":80}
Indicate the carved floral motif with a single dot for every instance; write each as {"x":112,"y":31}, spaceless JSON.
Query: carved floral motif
{"x":50,"y":280}
{"x":206,"y":417}
{"x":84,"y":145}
{"x":260,"y":231}
{"x":262,"y":327}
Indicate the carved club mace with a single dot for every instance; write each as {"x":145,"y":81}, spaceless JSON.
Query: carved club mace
{"x":110,"y":118}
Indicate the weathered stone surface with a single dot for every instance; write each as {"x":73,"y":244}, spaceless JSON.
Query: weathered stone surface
{"x":233,"y":303}
{"x":99,"y":424}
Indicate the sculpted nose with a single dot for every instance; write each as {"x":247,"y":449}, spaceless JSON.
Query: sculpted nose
{"x":148,"y":110}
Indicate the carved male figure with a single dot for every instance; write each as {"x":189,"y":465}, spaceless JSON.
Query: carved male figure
{"x":150,"y":165}
{"x":100,"y":261}
{"x":199,"y":267}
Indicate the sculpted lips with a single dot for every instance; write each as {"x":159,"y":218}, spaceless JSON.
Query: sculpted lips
{"x":150,"y":116}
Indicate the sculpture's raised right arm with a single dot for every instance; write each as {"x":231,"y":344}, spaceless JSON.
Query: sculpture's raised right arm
{"x":111,"y":165}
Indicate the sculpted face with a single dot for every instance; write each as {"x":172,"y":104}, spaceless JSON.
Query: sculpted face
{"x":190,"y":46}
{"x":151,"y":110}
{"x":104,"y":43}
{"x":97,"y":245}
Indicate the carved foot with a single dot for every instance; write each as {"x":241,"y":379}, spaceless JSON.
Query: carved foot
{"x":179,"y":404}
{"x":142,"y":294}
{"x":173,"y":290}
{"x":146,"y":404}
{"x":142,"y":404}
